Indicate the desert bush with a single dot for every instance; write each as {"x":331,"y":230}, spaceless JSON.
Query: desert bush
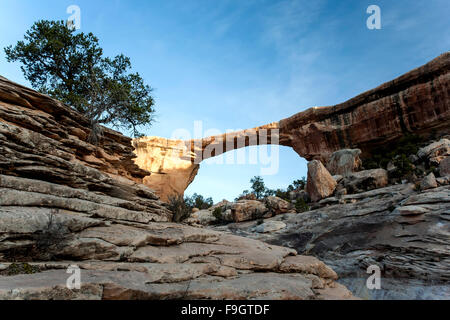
{"x":20,"y":268}
{"x":181,"y":211}
{"x":397,"y":153}
{"x":50,"y":240}
{"x":218,"y":214}
{"x":301,"y":206}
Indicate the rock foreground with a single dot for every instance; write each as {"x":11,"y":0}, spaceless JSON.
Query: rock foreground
{"x":65,"y":201}
{"x":417,"y":102}
{"x":403,"y":231}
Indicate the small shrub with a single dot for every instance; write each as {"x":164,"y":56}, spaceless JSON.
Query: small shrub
{"x":301,"y":206}
{"x":417,"y":186}
{"x":181,"y":211}
{"x":20,"y":268}
{"x":217,"y":213}
{"x":398,"y":153}
{"x":51,"y":240}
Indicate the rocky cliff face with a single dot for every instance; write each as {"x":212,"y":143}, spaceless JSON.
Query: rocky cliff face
{"x":45,"y":161}
{"x":64,"y":201}
{"x":169,"y":162}
{"x":417,"y":102}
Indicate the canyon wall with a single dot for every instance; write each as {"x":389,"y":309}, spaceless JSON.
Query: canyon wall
{"x":417,"y":102}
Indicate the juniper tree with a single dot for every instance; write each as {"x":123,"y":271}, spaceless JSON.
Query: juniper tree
{"x":70,"y":67}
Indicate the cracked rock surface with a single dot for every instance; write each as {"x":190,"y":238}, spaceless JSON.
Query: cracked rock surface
{"x":65,"y":202}
{"x":404,"y":232}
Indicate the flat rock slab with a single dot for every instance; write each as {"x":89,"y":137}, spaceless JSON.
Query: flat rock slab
{"x":110,"y":281}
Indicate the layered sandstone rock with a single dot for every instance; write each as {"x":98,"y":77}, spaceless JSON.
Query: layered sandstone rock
{"x":417,"y":102}
{"x":170,"y":163}
{"x":146,"y":260}
{"x":65,"y":202}
{"x":398,"y":228}
{"x":46,"y":162}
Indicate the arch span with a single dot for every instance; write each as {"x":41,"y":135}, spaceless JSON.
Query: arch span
{"x":417,"y":102}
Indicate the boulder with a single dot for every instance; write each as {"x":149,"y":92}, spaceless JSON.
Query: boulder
{"x":278,"y":206}
{"x":299,"y":195}
{"x":411,"y":210}
{"x":344,"y":162}
{"x":320,"y":183}
{"x":203,"y":217}
{"x":444,"y":167}
{"x":443,"y":181}
{"x":435,"y":151}
{"x":429,"y":182}
{"x":245,"y":210}
{"x":270,"y":226}
{"x":366,"y":180}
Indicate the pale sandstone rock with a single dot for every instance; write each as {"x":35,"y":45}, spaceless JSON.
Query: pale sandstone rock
{"x":278,"y":206}
{"x":429,"y":182}
{"x":270,"y":226}
{"x":344,"y":162}
{"x":437,"y":149}
{"x":366,"y":180}
{"x":411,"y":210}
{"x":120,"y":285}
{"x":308,"y":264}
{"x":203,"y":217}
{"x":244,"y":210}
{"x":320,"y":182}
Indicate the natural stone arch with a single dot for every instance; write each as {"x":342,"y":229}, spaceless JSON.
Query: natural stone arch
{"x":417,"y":102}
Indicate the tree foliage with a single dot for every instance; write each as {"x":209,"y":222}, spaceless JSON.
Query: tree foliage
{"x":199,"y":202}
{"x":70,"y":67}
{"x":259,"y":189}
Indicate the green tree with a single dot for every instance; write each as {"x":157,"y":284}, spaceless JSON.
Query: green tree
{"x":297,"y":185}
{"x":198,"y":201}
{"x":70,"y":67}
{"x":258,"y":187}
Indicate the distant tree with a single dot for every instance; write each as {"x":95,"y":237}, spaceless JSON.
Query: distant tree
{"x":70,"y":67}
{"x":198,"y":201}
{"x":258,"y":187}
{"x":298,"y":185}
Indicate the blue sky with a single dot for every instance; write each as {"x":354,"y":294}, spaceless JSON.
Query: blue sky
{"x":240,"y":64}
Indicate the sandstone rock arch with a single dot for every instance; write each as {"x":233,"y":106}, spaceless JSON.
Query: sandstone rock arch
{"x":417,"y":102}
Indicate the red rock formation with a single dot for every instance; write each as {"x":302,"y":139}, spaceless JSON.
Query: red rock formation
{"x":417,"y":102}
